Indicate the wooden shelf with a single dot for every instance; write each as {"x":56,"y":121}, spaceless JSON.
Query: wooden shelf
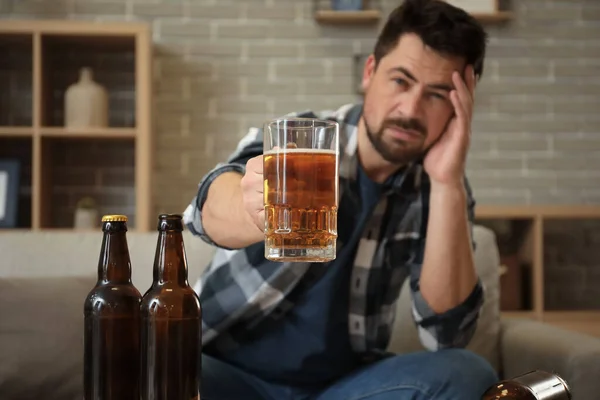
{"x":97,"y":133}
{"x":499,"y":16}
{"x":530,"y":241}
{"x":15,"y":131}
{"x":60,"y":165}
{"x":587,"y":322}
{"x":542,"y":211}
{"x":73,"y":27}
{"x":347,"y":17}
{"x":490,"y":11}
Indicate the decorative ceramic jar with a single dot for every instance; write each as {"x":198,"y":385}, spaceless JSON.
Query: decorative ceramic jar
{"x":347,"y":5}
{"x":86,"y":214}
{"x":86,"y":103}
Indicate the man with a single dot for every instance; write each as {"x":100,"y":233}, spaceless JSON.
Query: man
{"x":319,"y":331}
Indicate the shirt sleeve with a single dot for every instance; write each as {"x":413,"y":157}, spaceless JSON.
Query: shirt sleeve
{"x":455,"y":327}
{"x":250,"y":146}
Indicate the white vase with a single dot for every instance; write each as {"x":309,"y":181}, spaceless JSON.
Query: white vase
{"x":85,"y":218}
{"x":86,"y":103}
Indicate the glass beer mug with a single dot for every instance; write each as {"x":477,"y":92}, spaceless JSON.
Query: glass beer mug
{"x":301,"y":173}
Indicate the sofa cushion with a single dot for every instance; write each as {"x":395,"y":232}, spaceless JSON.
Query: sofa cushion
{"x":486,"y":341}
{"x":41,"y":337}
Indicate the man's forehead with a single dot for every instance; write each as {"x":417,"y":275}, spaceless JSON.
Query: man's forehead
{"x":412,"y":54}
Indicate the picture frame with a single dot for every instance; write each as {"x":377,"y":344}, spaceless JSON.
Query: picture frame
{"x":10,"y":170}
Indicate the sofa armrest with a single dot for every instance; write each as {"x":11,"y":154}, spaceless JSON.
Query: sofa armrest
{"x":529,"y":345}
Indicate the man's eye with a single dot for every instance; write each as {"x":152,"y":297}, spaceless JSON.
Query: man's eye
{"x":400,"y":81}
{"x":437,"y":96}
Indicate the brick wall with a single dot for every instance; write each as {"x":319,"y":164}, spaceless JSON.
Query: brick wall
{"x":223,"y":65}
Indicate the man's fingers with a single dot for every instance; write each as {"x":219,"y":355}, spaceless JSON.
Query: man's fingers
{"x":458,"y":106}
{"x":255,"y":165}
{"x":463,"y":94}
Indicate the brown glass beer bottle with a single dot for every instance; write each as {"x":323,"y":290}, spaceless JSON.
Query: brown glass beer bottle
{"x":171,"y":321}
{"x":534,"y":385}
{"x":112,"y":321}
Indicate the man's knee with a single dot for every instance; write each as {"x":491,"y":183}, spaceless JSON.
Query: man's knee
{"x":466,"y":373}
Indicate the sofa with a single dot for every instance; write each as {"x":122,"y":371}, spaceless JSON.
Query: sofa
{"x":45,"y":276}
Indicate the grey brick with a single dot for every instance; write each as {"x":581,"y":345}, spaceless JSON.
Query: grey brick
{"x":169,"y":48}
{"x":292,"y":70}
{"x":498,"y":196}
{"x":169,"y":105}
{"x":567,"y":162}
{"x":542,"y":12}
{"x":539,"y":49}
{"x":278,"y":10}
{"x":485,"y":162}
{"x":590,"y":107}
{"x":29,"y":7}
{"x":341,"y":67}
{"x":169,"y":124}
{"x":213,"y":11}
{"x":219,"y":127}
{"x":577,"y":144}
{"x":100,"y":7}
{"x":180,"y":67}
{"x":511,"y":143}
{"x":340,"y":86}
{"x":261,"y":48}
{"x":590,"y":12}
{"x":242,"y":31}
{"x":481,"y":144}
{"x":578,"y":182}
{"x":171,"y":86}
{"x":577,"y":70}
{"x":272,"y":89}
{"x":315,"y":103}
{"x":161,"y":10}
{"x":226,"y":106}
{"x":521,"y":104}
{"x":231,"y":48}
{"x":341,"y":32}
{"x":485,"y":179}
{"x":206,"y":87}
{"x":235,"y":68}
{"x":542,"y":86}
{"x":555,"y":197}
{"x":559,"y":31}
{"x":292,"y":31}
{"x":523,"y":68}
{"x":341,"y":49}
{"x":178,"y":28}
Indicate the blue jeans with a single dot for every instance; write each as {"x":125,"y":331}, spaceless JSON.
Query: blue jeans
{"x":454,"y":374}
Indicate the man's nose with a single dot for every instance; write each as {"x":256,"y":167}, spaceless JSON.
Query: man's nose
{"x":410,"y":104}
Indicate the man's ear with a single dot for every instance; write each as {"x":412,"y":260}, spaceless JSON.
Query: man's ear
{"x":368,"y":72}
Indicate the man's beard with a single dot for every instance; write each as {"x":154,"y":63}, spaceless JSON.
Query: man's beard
{"x":406,"y":152}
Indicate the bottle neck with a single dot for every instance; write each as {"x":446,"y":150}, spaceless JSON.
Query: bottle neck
{"x":170,"y":264}
{"x":114,"y":265}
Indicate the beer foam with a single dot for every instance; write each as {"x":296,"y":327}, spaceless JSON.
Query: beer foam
{"x":299,"y":150}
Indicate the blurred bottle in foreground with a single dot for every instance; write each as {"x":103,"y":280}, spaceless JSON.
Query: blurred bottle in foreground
{"x":534,"y":385}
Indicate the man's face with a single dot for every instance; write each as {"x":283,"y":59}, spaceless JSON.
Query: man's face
{"x":407,"y":99}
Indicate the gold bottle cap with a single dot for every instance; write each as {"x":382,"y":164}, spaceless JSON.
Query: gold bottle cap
{"x":114,"y":218}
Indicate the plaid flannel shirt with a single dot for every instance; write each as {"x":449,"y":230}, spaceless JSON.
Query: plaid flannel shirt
{"x":240,"y":289}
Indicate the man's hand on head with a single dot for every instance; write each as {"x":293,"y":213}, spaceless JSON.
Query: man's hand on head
{"x":445,"y":161}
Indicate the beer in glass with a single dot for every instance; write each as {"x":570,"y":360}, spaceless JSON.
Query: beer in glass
{"x":300,"y":173}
